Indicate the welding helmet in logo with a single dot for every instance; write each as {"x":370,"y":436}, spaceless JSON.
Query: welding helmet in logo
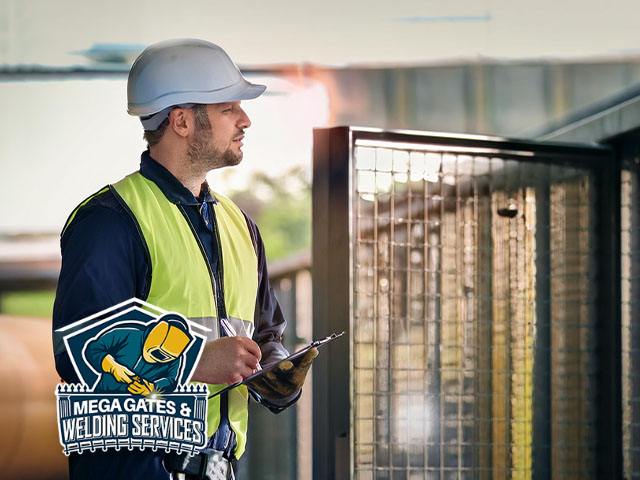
{"x":166,"y":339}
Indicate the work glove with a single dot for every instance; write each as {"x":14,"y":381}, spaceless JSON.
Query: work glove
{"x":121,"y":373}
{"x":285,"y":379}
{"x":140,"y":386}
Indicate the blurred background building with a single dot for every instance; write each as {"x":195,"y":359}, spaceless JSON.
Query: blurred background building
{"x":518,"y":243}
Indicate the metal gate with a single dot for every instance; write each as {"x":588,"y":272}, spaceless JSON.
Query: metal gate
{"x":475,"y":278}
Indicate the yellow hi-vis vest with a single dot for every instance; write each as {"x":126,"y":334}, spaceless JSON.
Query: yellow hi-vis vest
{"x":182,"y":280}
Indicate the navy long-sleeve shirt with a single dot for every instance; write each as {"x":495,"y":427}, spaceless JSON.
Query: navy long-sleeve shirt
{"x":104,"y":263}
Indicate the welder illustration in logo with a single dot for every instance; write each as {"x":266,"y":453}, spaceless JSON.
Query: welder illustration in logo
{"x":140,"y":359}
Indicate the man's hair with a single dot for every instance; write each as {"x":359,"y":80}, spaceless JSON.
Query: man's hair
{"x":154,"y":136}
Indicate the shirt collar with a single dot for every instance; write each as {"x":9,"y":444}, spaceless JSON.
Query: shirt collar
{"x":172,"y":188}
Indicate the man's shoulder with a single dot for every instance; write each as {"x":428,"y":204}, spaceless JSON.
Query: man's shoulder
{"x":100,"y":214}
{"x":102,"y":198}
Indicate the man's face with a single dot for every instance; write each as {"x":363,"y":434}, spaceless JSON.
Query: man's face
{"x":217,"y":141}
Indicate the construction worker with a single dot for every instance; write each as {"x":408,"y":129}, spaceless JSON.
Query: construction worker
{"x":161,"y":235}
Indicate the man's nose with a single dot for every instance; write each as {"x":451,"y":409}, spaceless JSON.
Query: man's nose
{"x":243,"y":121}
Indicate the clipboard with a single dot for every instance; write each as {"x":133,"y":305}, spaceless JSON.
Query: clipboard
{"x":271,"y":366}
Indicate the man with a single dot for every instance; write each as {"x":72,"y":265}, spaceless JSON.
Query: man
{"x":161,"y":235}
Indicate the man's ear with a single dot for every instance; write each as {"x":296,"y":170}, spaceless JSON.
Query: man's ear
{"x":181,"y":122}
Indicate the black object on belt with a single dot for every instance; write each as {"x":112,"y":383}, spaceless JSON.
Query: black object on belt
{"x":208,"y":464}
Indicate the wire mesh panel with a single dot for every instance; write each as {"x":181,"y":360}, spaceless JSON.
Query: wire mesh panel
{"x":630,"y":324}
{"x":472,"y":330}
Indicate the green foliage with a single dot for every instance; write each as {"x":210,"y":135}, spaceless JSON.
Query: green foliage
{"x":281,"y":207}
{"x":31,"y":304}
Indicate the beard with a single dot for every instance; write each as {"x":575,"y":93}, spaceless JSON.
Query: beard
{"x":202,"y":154}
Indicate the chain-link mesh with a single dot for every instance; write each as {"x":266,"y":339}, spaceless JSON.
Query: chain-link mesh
{"x":473,"y":315}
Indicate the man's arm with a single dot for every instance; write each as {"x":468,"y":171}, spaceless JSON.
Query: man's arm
{"x":103,"y":264}
{"x":269,"y":321}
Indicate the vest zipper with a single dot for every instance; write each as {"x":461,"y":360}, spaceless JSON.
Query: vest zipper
{"x":214,"y":225}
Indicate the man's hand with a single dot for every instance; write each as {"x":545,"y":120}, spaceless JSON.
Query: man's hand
{"x":227,"y":360}
{"x":121,"y":373}
{"x":140,"y":386}
{"x":285,"y":379}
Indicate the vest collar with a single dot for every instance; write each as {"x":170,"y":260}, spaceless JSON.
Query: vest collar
{"x":175,"y":191}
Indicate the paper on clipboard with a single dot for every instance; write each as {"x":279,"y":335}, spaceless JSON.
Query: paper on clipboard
{"x":293,"y":356}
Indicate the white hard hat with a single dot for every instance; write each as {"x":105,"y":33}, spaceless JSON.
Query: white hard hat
{"x":181,"y":73}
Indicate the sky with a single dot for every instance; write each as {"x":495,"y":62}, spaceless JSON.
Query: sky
{"x":63,"y":140}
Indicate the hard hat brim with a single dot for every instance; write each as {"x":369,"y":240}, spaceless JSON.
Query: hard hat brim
{"x":243,"y":90}
{"x":252,"y":91}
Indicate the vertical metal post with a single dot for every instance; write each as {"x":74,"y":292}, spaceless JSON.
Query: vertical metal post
{"x":634,"y":344}
{"x":541,"y":448}
{"x":331,"y":251}
{"x":633,"y":327}
{"x":608,"y":323}
{"x":483,"y":436}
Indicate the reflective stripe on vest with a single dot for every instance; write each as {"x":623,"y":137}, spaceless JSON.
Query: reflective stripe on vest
{"x":181,"y":279}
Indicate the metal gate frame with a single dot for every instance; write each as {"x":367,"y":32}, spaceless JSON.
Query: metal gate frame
{"x":333,"y":267}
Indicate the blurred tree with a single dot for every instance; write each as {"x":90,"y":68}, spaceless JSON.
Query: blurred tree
{"x":30,"y":303}
{"x":282,"y":209}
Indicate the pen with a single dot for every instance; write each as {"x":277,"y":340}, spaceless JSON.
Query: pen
{"x":228,"y":328}
{"x":231,"y":332}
